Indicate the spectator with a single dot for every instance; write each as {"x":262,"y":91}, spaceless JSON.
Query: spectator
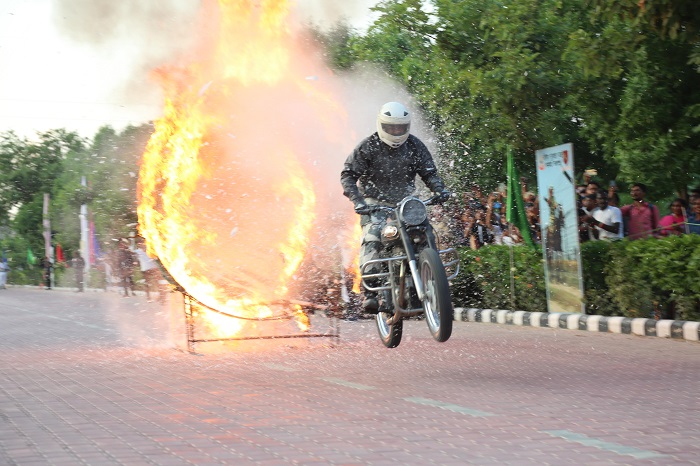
{"x":592,"y":188}
{"x":641,"y":217}
{"x":582,"y":189}
{"x":477,"y":229}
{"x":472,"y":199}
{"x":125,"y":268}
{"x":586,"y":232}
{"x":533,"y":220}
{"x":694,"y":194}
{"x":498,"y":225}
{"x":674,"y":223}
{"x":151,"y":274}
{"x":4,"y":268}
{"x":613,"y":197}
{"x":607,"y":219}
{"x":694,"y":217}
{"x":47,"y":267}
{"x":78,"y":264}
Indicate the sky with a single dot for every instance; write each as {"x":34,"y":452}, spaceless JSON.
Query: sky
{"x":83,"y":64}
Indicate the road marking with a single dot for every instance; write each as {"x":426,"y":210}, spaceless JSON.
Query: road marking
{"x":449,"y":407}
{"x":278,"y":367}
{"x":603,"y":445}
{"x":345,"y":383}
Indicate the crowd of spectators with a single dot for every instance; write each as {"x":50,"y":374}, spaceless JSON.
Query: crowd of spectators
{"x":479,"y":218}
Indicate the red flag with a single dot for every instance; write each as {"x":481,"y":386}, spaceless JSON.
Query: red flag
{"x":59,"y":254}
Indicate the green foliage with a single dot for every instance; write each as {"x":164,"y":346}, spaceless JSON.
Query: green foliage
{"x":615,"y":79}
{"x":644,"y":272}
{"x":622,"y":278}
{"x":28,"y":170}
{"x":595,"y":257}
{"x":484,"y":279}
{"x":337,"y":46}
{"x":56,"y":164}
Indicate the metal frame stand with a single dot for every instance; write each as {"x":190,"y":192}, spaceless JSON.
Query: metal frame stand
{"x":307,"y":308}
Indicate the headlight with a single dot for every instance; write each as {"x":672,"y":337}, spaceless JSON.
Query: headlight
{"x":413,"y":211}
{"x":390,"y":232}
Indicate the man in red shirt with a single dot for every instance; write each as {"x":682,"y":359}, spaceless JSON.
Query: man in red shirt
{"x":641,"y":217}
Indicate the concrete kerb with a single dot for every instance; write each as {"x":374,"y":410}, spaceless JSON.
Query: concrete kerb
{"x":677,"y":329}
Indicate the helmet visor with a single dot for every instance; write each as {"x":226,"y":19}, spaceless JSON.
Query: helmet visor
{"x":395,"y":130}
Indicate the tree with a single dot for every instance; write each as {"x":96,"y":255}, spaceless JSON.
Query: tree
{"x":490,"y":76}
{"x":28,"y":169}
{"x":642,"y":59}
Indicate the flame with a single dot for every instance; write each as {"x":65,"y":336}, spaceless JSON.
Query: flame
{"x":302,"y":319}
{"x":228,"y":181}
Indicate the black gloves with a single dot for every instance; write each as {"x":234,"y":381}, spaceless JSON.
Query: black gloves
{"x":362,"y":208}
{"x":443,"y":195}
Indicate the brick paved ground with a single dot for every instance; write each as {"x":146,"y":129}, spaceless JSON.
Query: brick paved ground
{"x":92,"y":379}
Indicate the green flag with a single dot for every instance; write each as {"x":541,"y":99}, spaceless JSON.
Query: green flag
{"x":30,"y":257}
{"x":515,"y":207}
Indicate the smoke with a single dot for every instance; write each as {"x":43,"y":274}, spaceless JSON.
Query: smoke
{"x":326,"y":13}
{"x":137,"y":36}
{"x":236,"y":227}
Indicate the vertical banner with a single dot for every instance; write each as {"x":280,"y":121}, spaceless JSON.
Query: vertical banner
{"x":559,"y":224}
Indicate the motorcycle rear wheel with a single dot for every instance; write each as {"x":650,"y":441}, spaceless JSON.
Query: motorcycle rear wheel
{"x":389,"y":334}
{"x":439,"y":313}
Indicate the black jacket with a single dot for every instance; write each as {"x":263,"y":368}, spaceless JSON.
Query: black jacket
{"x":387,"y":174}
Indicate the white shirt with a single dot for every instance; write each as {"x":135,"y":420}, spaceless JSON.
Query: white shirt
{"x":609,"y":216}
{"x":145,"y":260}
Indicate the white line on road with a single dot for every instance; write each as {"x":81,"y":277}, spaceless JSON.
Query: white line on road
{"x":448,"y":406}
{"x":603,"y":445}
{"x":345,"y":383}
{"x":278,"y":367}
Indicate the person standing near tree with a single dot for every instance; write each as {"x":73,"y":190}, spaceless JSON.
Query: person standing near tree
{"x":78,"y":264}
{"x":4,"y":268}
{"x":151,"y":274}
{"x":607,"y":219}
{"x":694,"y":217}
{"x":674,"y":223}
{"x":586,"y":227}
{"x":642,"y":217}
{"x":47,"y":267}
{"x":125,"y":264}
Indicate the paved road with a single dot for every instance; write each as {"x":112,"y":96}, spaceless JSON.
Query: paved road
{"x":92,"y":379}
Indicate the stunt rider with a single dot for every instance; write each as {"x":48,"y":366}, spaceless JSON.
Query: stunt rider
{"x":385,"y":165}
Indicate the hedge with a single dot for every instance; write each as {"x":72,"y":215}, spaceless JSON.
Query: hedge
{"x":642,"y":278}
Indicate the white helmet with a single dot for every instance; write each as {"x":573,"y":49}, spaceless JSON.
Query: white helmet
{"x":393,"y":124}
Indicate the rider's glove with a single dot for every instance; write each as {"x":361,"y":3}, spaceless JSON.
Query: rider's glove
{"x":362,"y":208}
{"x":443,"y":196}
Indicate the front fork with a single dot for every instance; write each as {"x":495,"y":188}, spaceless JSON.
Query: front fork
{"x":400,"y":300}
{"x":412,"y":261}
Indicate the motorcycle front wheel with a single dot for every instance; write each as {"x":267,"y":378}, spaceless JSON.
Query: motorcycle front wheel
{"x":438,"y":303}
{"x":390,"y":334}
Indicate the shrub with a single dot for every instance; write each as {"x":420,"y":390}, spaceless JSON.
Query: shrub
{"x":650,"y":273}
{"x":622,"y":278}
{"x":484,"y":280}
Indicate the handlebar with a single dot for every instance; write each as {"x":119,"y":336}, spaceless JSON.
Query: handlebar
{"x":378,"y":208}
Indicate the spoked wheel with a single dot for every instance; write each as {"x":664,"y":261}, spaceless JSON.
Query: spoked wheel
{"x":438,"y":304}
{"x":389,"y":334}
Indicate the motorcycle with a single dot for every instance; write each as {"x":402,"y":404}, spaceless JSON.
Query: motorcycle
{"x":414,"y":279}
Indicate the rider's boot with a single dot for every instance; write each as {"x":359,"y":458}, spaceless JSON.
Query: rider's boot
{"x":370,"y":304}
